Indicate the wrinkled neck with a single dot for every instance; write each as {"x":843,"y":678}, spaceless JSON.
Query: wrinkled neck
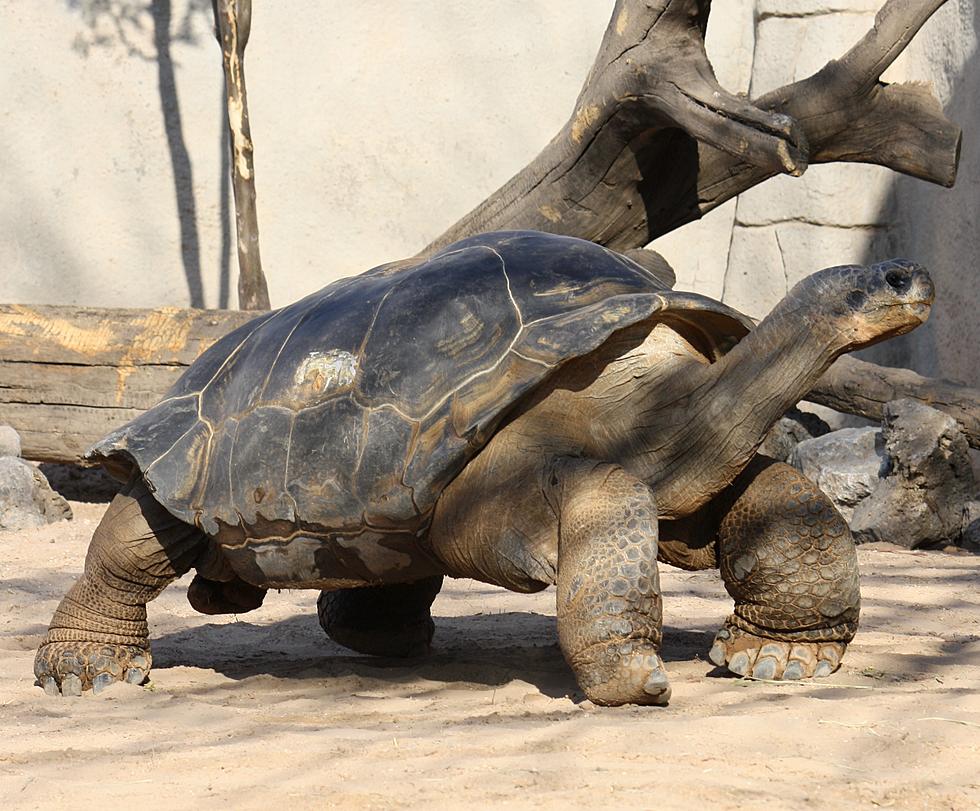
{"x":722,"y":411}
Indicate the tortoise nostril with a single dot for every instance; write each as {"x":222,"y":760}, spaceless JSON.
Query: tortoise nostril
{"x":899,"y":280}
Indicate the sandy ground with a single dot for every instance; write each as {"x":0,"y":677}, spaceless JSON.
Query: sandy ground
{"x":264,"y":710}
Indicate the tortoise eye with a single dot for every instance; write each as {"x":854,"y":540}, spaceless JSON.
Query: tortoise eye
{"x":856,"y":299}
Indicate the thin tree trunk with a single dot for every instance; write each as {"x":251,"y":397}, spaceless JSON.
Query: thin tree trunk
{"x":233,"y":22}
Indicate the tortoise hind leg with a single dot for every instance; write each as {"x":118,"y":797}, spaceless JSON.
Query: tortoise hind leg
{"x":788,"y":560}
{"x":390,"y":620}
{"x":99,"y":633}
{"x":233,"y":596}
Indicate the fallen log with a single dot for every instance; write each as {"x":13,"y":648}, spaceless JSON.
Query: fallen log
{"x":69,"y":375}
{"x":858,"y":387}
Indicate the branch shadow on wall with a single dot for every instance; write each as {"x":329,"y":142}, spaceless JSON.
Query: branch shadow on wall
{"x":938,"y":228}
{"x":113,"y":23}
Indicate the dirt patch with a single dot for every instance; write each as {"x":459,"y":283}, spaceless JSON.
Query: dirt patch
{"x":264,"y":710}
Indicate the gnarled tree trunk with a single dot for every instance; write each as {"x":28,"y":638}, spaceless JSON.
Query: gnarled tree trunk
{"x":654,"y":142}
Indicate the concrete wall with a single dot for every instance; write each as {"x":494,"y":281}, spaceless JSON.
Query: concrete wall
{"x":377,"y":124}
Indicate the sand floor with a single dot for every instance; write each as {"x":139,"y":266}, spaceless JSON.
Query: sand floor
{"x":263,"y":710}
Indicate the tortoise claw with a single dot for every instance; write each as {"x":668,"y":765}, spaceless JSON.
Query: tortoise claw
{"x":69,"y":668}
{"x":71,"y":685}
{"x":748,"y":655}
{"x":100,"y":682}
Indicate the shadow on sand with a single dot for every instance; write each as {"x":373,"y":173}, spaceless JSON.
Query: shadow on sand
{"x":486,"y":649}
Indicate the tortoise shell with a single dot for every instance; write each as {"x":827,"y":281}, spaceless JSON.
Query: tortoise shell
{"x":357,"y":405}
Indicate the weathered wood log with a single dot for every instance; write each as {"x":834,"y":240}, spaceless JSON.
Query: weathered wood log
{"x":232,"y":24}
{"x":69,"y":375}
{"x":654,"y":141}
{"x":858,"y":387}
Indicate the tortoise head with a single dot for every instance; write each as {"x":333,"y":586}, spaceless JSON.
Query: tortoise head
{"x":854,"y":306}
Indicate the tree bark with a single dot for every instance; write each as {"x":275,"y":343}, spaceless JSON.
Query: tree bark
{"x":858,"y":387}
{"x":654,"y":141}
{"x":69,"y":375}
{"x":233,"y":23}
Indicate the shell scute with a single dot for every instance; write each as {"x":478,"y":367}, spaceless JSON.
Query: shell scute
{"x":324,"y":448}
{"x":449,"y":320}
{"x":318,"y":354}
{"x":261,"y":439}
{"x":378,"y":479}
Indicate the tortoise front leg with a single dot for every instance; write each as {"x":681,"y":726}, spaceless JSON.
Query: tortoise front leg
{"x":609,"y":600}
{"x":788,"y":560}
{"x":390,"y":620}
{"x":99,"y":633}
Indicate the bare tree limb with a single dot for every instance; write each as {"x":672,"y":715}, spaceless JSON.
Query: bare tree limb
{"x":848,"y":114}
{"x":233,"y":22}
{"x":858,"y":387}
{"x":654,"y":141}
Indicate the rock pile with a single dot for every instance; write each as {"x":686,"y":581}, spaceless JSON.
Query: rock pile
{"x":909,"y":482}
{"x":26,"y":498}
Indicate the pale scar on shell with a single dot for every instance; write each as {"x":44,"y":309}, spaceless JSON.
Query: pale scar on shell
{"x":327,"y":372}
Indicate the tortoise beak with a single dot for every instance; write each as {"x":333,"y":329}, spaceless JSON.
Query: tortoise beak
{"x":911,"y":285}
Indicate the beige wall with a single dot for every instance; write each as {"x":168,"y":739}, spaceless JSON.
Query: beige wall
{"x":378,"y":123}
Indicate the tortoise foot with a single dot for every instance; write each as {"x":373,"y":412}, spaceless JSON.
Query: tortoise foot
{"x":68,"y":668}
{"x":232,"y":597}
{"x":623,"y":673}
{"x":746,"y":654}
{"x":387,"y":620}
{"x":406,"y":641}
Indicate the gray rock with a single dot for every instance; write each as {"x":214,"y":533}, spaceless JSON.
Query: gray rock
{"x":795,"y":427}
{"x":929,"y":482}
{"x":26,"y":498}
{"x":9,"y":441}
{"x":970,"y":537}
{"x":846,"y":464}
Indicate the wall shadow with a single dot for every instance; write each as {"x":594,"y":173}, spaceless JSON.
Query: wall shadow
{"x":224,"y":207}
{"x":121,"y":22}
{"x":180,"y":159}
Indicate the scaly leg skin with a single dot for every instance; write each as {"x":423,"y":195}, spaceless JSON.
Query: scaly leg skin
{"x":788,"y":560}
{"x":98,"y":635}
{"x":391,"y":620}
{"x":609,"y":601}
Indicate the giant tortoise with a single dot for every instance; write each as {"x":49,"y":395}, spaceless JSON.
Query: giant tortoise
{"x":520,"y":408}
